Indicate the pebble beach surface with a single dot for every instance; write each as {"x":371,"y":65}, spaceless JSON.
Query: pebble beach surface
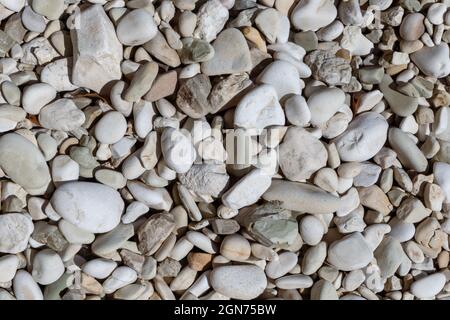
{"x":224,"y":149}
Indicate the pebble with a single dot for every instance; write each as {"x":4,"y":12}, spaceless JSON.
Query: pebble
{"x":434,"y":61}
{"x":428,"y":286}
{"x":101,"y":206}
{"x":8,"y":266}
{"x":313,"y":15}
{"x":231,"y":54}
{"x":63,"y":114}
{"x":25,"y":288}
{"x":242,"y":282}
{"x":283,"y":76}
{"x":23,"y":162}
{"x":111,"y":128}
{"x":136,"y":28}
{"x":15,"y":231}
{"x":311,"y":229}
{"x":363,"y":138}
{"x":407,"y":151}
{"x":281,"y":265}
{"x":412,"y":26}
{"x":301,"y":154}
{"x":47,"y":267}
{"x":297,"y":111}
{"x":235,"y":248}
{"x":99,"y":268}
{"x":36,"y":96}
{"x":350,"y":253}
{"x":177,"y":149}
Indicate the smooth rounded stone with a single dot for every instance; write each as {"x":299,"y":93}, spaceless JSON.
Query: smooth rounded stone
{"x":331,"y":32}
{"x":400,"y":104}
{"x":324,"y":103}
{"x":436,"y":13}
{"x":201,"y":241}
{"x":232,"y":54}
{"x":433,"y":61}
{"x":268,"y":22}
{"x":90,"y":206}
{"x":47,"y":267}
{"x":13,"y":5}
{"x":73,"y":234}
{"x":412,"y":26}
{"x":136,"y":28}
{"x":142,"y":81}
{"x":407,"y":151}
{"x":247,"y":190}
{"x":8,"y":267}
{"x":97,"y":51}
{"x":187,"y":22}
{"x":120,"y":277}
{"x":350,"y":253}
{"x":281,"y":265}
{"x":235,"y":248}
{"x":283,"y":76}
{"x":24,"y":163}
{"x":111,"y":178}
{"x":314,"y":258}
{"x":297,"y":111}
{"x":441,"y":171}
{"x":25,"y":288}
{"x":99,"y":268}
{"x":134,"y":210}
{"x":63,"y":114}
{"x":177,"y":149}
{"x":32,"y":21}
{"x":428,"y":286}
{"x":241,"y":282}
{"x":296,"y":281}
{"x":111,"y":127}
{"x":301,"y":154}
{"x":323,"y":290}
{"x":311,"y":229}
{"x":363,"y":138}
{"x":302,"y":197}
{"x":64,"y":169}
{"x":57,"y":74}
{"x":353,"y":280}
{"x":389,"y":255}
{"x":313,"y":15}
{"x":259,"y":108}
{"x":51,"y":9}
{"x":155,"y":198}
{"x":48,"y":145}
{"x":10,"y":116}
{"x":368,"y":176}
{"x":402,"y":231}
{"x":108,"y":243}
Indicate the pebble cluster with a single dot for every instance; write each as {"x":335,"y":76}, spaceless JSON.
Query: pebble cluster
{"x":119,"y":179}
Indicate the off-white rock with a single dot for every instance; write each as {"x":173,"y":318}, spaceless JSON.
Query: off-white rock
{"x":177,"y":149}
{"x":302,"y":197}
{"x":47,"y":267}
{"x":283,"y":76}
{"x":247,"y":190}
{"x":301,"y":154}
{"x":428,"y":286}
{"x":136,"y":28}
{"x":62,"y":115}
{"x":350,"y":253}
{"x":111,"y":127}
{"x":281,"y":265}
{"x":156,"y":198}
{"x":407,"y":151}
{"x":211,"y":19}
{"x":8,"y":267}
{"x":311,"y":229}
{"x":259,"y":108}
{"x":434,"y":61}
{"x":24,"y":163}
{"x":241,"y":282}
{"x":324,"y":103}
{"x":64,"y":169}
{"x":313,"y":15}
{"x":364,"y":137}
{"x":441,"y":172}
{"x":355,"y":42}
{"x":90,"y":206}
{"x":25,"y":288}
{"x":297,"y":281}
{"x":297,"y":111}
{"x":120,"y":277}
{"x":235,"y":247}
{"x":97,"y":51}
{"x":99,"y":268}
{"x":36,"y":96}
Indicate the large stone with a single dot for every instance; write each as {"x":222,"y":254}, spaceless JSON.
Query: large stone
{"x":97,"y":51}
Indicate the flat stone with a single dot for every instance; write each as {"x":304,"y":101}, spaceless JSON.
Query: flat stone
{"x":232,"y":54}
{"x":241,"y":282}
{"x":428,"y":286}
{"x":154,"y":231}
{"x":192,"y":96}
{"x":407,"y":151}
{"x":350,"y":253}
{"x":63,"y":114}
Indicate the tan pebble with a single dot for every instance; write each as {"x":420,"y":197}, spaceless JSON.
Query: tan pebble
{"x":199,"y":261}
{"x":254,"y":37}
{"x":235,"y":247}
